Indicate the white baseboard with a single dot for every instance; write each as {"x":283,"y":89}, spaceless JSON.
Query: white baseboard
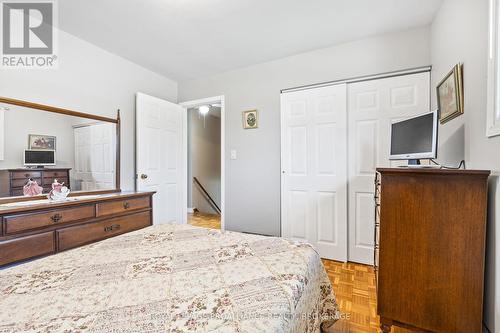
{"x":191,"y":210}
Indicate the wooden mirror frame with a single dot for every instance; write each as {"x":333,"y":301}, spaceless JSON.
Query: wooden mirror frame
{"x":68,"y":112}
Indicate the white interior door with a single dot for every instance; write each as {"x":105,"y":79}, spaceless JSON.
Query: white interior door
{"x":314,"y":169}
{"x":372,"y":107}
{"x":159,"y":154}
{"x":94,"y":157}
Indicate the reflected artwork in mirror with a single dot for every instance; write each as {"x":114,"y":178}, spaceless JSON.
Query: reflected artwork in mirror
{"x":45,"y":145}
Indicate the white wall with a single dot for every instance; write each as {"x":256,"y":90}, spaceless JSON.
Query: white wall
{"x":20,"y":122}
{"x":460,"y":34}
{"x":253,"y":180}
{"x":204,"y":160}
{"x":2,"y":133}
{"x":91,"y":80}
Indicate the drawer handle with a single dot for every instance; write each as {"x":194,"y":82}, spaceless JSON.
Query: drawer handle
{"x":56,"y":218}
{"x":112,"y":227}
{"x":26,"y":175}
{"x":126,"y":205}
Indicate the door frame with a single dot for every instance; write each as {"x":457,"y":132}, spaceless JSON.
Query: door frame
{"x":191,"y":104}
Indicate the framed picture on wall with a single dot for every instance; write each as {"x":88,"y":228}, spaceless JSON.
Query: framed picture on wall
{"x":250,"y":119}
{"x":450,"y":95}
{"x":37,"y":141}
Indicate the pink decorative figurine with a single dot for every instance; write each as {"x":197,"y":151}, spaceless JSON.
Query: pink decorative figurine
{"x":56,"y":186}
{"x":32,"y":188}
{"x":59,"y":192}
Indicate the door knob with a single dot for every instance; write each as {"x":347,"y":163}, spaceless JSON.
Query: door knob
{"x":143,"y":176}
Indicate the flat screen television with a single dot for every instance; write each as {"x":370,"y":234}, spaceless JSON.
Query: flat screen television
{"x":39,"y":157}
{"x":415,"y":138}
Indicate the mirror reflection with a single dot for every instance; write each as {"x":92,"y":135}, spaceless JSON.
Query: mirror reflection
{"x":43,"y":149}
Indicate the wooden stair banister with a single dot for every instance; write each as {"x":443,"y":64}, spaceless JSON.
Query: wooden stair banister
{"x":207,"y":195}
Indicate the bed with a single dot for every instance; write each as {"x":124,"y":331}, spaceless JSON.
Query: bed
{"x":171,"y":278}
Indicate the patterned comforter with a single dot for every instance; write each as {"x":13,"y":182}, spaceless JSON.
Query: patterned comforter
{"x":171,"y":278}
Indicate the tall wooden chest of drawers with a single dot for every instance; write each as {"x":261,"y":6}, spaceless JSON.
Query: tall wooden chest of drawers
{"x":432,"y":249}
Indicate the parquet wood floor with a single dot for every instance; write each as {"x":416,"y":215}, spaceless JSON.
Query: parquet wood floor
{"x":354,"y":286}
{"x":210,"y":221}
{"x":356,"y":293}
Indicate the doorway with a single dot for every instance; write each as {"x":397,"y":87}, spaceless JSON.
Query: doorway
{"x":205,"y":162}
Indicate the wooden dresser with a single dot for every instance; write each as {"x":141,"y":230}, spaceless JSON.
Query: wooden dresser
{"x":431,"y":247}
{"x":13,"y":180}
{"x":40,"y":229}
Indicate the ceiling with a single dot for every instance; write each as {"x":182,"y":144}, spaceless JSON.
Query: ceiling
{"x":215,"y":111}
{"x":187,"y":39}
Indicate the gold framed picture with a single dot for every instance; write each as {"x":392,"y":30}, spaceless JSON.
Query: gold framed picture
{"x":450,"y":95}
{"x":250,"y":119}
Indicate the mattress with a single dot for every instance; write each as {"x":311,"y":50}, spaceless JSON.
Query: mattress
{"x":171,"y":278}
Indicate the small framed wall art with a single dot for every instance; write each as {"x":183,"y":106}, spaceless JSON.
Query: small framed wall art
{"x":450,"y":95}
{"x":250,"y":119}
{"x":42,"y":142}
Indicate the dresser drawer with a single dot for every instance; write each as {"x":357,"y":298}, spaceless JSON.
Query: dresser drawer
{"x":25,"y":174}
{"x":23,"y":222}
{"x":83,"y":234}
{"x":55,"y":174}
{"x":48,"y":181}
{"x":22,"y":181}
{"x":26,"y":247}
{"x":17,"y":192}
{"x":120,"y":206}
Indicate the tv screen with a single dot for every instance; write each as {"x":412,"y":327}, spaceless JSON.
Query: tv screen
{"x":39,"y":157}
{"x":415,"y":137}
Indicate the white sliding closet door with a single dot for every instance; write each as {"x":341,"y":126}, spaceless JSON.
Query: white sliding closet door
{"x":314,"y":168}
{"x":95,"y":157}
{"x":373,"y":106}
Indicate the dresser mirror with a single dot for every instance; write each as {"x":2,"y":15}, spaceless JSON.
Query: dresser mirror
{"x":42,"y":144}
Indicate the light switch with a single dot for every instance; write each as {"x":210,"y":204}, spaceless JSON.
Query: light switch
{"x":233,"y":154}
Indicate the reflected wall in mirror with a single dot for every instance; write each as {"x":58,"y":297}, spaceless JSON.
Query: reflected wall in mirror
{"x":44,"y":146}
